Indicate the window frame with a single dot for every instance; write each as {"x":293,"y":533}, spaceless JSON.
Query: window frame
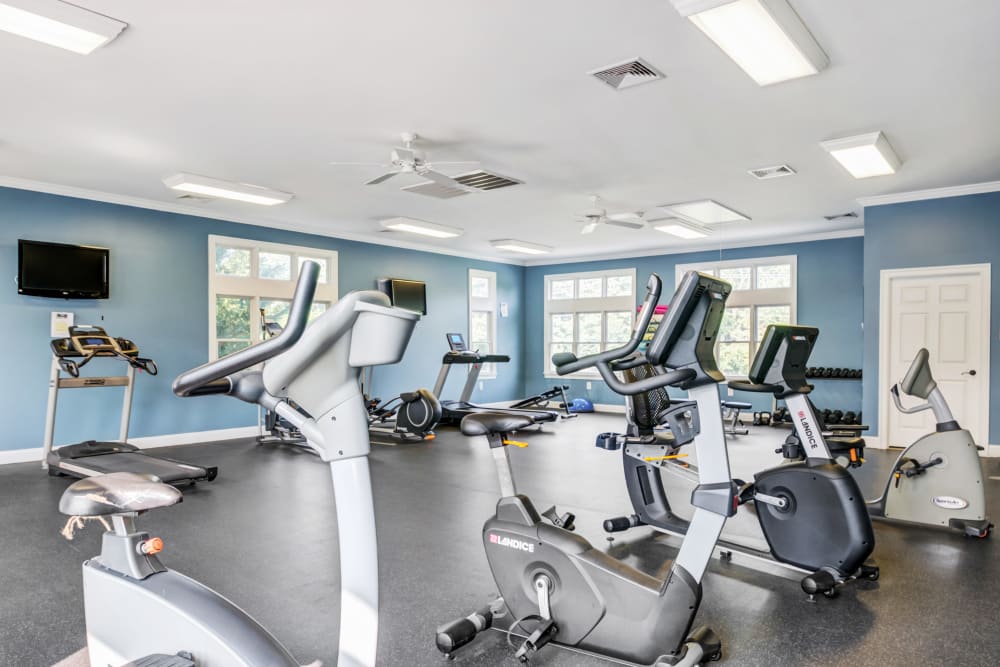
{"x":754,"y":297}
{"x":488,"y":305}
{"x":256,"y":288}
{"x":577,"y":306}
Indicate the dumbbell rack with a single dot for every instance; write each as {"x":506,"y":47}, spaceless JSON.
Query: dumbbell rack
{"x":810,"y":378}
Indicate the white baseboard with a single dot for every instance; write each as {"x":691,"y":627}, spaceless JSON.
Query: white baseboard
{"x":873,"y":441}
{"x":169,"y":440}
{"x":992,"y":451}
{"x":614,"y":408}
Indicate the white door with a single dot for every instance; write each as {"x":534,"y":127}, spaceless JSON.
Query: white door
{"x":947,"y":310}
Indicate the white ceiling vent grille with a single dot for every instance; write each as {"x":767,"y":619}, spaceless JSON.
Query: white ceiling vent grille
{"x":777,"y":171}
{"x":627,"y":74}
{"x":436,"y":190}
{"x":486,"y":180}
{"x":194,"y":199}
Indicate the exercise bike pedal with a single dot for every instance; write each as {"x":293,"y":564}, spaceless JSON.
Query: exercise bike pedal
{"x":543,"y":634}
{"x":820,"y":582}
{"x":181,"y":659}
{"x":868,"y":571}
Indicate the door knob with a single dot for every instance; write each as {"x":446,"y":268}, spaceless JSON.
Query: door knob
{"x":972,"y":372}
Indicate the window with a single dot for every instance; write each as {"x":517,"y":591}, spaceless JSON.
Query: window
{"x":483,"y":316}
{"x":586,"y":313}
{"x":764,"y":292}
{"x":251,"y":282}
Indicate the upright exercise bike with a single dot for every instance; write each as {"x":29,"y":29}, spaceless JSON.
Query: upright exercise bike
{"x":139,"y":612}
{"x":577,"y":595}
{"x":807,"y":516}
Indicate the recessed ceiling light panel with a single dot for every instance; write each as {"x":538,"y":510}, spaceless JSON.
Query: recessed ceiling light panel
{"x":683,"y":230}
{"x":58,"y":24}
{"x":865,"y":155}
{"x":705,"y":212}
{"x":513,"y":245}
{"x":215,"y":187}
{"x":422,"y":227}
{"x":766,"y":38}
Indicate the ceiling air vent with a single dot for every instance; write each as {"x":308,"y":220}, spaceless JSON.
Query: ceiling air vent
{"x":194,"y":199}
{"x":764,"y":173}
{"x":840,"y":216}
{"x":627,"y":74}
{"x":436,"y":190}
{"x":485,"y":180}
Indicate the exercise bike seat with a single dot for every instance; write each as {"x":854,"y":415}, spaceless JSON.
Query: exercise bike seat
{"x":117,"y":493}
{"x":492,"y":423}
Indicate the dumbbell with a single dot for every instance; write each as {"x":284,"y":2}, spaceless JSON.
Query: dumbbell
{"x":835,"y":417}
{"x":841,"y":373}
{"x":762,"y":419}
{"x":786,"y":416}
{"x":856,"y":373}
{"x":825,"y":415}
{"x":849,"y":418}
{"x":827,"y":372}
{"x":811,"y":371}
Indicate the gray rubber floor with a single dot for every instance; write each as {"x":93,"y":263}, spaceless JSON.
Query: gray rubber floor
{"x":264,"y":534}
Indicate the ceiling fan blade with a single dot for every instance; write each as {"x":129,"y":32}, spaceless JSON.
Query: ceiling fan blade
{"x":627,"y":215}
{"x":359,"y":164}
{"x":589,"y":227}
{"x":436,"y":162}
{"x":630,"y":224}
{"x":382,"y":179}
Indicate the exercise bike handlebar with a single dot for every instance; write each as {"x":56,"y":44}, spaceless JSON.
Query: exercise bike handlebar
{"x":567,"y":363}
{"x":213,"y":377}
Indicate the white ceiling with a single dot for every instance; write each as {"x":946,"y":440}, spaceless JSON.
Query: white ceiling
{"x":270,"y":93}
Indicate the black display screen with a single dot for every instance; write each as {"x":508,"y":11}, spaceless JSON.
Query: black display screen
{"x":62,"y":271}
{"x":409,"y":294}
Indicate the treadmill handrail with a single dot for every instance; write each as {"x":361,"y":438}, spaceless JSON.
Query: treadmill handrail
{"x":653,"y":287}
{"x":298,"y":317}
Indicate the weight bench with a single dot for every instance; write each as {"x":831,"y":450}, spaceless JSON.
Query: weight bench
{"x":731,"y":417}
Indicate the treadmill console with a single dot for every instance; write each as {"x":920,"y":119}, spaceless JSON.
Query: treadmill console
{"x":456,"y":343}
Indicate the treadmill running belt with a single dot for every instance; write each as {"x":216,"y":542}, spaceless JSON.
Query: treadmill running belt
{"x":141,"y":464}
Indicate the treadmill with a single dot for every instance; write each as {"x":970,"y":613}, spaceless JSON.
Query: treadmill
{"x":90,"y":458}
{"x":452,"y":412}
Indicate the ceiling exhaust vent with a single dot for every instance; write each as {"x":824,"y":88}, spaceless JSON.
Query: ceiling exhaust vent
{"x":840,"y":216}
{"x":194,"y":199}
{"x":486,"y":180}
{"x":777,"y":171}
{"x":627,"y":74}
{"x":436,"y":190}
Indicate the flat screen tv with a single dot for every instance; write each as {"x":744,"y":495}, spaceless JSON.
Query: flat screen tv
{"x":409,"y":294}
{"x":62,"y":271}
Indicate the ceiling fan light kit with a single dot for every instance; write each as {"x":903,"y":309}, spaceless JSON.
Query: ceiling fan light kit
{"x":766,"y":38}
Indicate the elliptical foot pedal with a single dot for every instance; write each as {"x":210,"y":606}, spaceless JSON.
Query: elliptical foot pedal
{"x":700,"y":647}
{"x":543,"y":634}
{"x":182,"y":659}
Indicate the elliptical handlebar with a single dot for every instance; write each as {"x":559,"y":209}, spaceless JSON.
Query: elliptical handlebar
{"x":567,"y":363}
{"x":213,"y":377}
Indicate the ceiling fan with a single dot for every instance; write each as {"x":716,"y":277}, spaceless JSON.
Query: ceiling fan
{"x":407,"y":159}
{"x":596,"y":215}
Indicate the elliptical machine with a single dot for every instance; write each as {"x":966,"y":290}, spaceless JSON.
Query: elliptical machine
{"x":808,"y":515}
{"x":580,"y":596}
{"x":140,"y":613}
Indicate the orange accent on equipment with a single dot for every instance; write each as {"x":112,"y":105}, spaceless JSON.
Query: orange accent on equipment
{"x":516,"y":443}
{"x":152,"y":546}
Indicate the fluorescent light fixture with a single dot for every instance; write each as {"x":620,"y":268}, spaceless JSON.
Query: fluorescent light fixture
{"x":684,"y":230}
{"x":704,"y":212}
{"x":58,"y":24}
{"x":214,"y":187}
{"x":766,"y":38}
{"x":414,"y":226}
{"x":865,"y":155}
{"x":514,"y":245}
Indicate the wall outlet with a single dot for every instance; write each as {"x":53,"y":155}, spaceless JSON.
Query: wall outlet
{"x":730,"y":392}
{"x":480,"y":385}
{"x":590,"y":385}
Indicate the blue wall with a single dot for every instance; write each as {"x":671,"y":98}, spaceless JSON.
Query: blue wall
{"x":938,"y":232}
{"x":159,"y":298}
{"x":830,"y":290}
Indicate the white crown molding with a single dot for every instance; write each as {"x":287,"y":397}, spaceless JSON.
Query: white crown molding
{"x":703,"y":246}
{"x":932,"y":193}
{"x":169,"y":207}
